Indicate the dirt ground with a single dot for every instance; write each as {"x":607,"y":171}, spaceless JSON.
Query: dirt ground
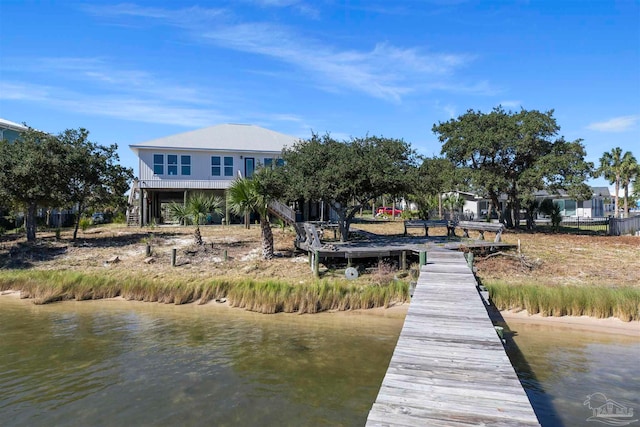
{"x":551,"y":259}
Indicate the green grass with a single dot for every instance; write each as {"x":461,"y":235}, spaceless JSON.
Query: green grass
{"x":599,"y":302}
{"x":260,"y":296}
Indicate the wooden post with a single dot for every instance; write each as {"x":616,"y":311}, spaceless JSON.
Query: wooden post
{"x":403,"y":260}
{"x":225,"y":255}
{"x":316,"y":264}
{"x":423,"y":258}
{"x":148,"y":250}
{"x":173,"y":257}
{"x":470,"y":260}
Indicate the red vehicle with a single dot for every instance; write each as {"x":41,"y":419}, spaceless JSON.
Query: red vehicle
{"x":388,"y":210}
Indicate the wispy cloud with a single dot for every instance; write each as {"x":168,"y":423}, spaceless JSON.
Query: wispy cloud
{"x":302,"y":7}
{"x":186,"y":17}
{"x":385,"y":71}
{"x":616,"y":124}
{"x":511,"y":104}
{"x":477,"y":88}
{"x":102,"y":90}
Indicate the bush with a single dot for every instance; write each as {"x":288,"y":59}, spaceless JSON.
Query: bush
{"x":85,"y":223}
{"x":119,"y":218}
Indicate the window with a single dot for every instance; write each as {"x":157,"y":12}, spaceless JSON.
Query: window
{"x":172,"y":164}
{"x":158,"y":164}
{"x":228,"y":166}
{"x":268,"y":162}
{"x":215,"y":166}
{"x":185,"y":165}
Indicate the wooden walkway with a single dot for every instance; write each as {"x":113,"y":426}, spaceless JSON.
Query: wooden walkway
{"x":449,"y":367}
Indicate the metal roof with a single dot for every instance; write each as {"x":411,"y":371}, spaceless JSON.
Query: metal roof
{"x":232,"y":137}
{"x":7,"y":124}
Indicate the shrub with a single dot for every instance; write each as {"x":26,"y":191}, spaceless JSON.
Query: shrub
{"x":85,"y":223}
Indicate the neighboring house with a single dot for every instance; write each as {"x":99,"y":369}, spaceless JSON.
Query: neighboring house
{"x":10,"y":130}
{"x":569,"y":207}
{"x":476,"y":207}
{"x":205,"y":160}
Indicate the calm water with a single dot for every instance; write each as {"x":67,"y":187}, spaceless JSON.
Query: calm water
{"x":115,"y":363}
{"x":561,"y":367}
{"x":110,"y":363}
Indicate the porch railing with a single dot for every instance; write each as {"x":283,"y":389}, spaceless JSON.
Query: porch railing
{"x":283,"y":211}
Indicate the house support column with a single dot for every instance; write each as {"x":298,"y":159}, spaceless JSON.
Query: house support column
{"x":145,"y":208}
{"x":226,"y":209}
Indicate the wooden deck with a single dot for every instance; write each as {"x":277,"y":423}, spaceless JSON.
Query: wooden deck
{"x":449,"y":367}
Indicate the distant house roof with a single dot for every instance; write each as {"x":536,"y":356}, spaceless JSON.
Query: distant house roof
{"x":596,"y":191}
{"x":601,"y":191}
{"x":7,"y":124}
{"x":232,"y":137}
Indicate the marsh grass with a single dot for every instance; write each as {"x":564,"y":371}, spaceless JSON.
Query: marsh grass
{"x":599,"y":302}
{"x":268,"y":296}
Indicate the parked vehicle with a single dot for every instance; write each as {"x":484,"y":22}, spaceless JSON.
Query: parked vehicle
{"x":98,"y":218}
{"x":388,"y":210}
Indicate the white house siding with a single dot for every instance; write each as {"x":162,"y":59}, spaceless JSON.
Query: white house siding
{"x":200,"y":177}
{"x":186,"y":184}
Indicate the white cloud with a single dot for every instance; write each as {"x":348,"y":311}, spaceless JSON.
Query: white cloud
{"x":95,"y":87}
{"x":616,"y":124}
{"x":385,"y":71}
{"x":511,"y":104}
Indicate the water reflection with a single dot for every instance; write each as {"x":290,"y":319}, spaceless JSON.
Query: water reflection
{"x":560,"y":367}
{"x":107,"y":363}
{"x":116,"y":363}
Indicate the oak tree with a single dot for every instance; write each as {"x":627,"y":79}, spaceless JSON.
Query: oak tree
{"x":516,"y":154}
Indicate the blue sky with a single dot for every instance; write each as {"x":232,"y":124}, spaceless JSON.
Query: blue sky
{"x":135,"y":71}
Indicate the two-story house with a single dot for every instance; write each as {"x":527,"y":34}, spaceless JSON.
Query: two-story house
{"x":203,"y":160}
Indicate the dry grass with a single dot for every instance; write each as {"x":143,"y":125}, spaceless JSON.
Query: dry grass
{"x":575,"y":260}
{"x":230,"y":266}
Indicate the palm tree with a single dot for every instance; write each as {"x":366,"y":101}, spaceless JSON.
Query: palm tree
{"x":249,"y":195}
{"x":453,"y":202}
{"x":195,"y":211}
{"x":629,"y":170}
{"x":610,"y":164}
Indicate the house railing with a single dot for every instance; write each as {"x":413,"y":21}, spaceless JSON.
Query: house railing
{"x":283,"y":211}
{"x":622,"y":226}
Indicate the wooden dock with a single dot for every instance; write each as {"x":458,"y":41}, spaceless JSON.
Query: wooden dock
{"x":449,"y":367}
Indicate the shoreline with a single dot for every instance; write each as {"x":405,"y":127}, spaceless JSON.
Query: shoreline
{"x":608,"y":326}
{"x":611,"y":325}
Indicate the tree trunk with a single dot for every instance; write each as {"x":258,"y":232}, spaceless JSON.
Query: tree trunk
{"x":77,"y":224}
{"x":626,"y":200}
{"x":197,"y":237}
{"x":496,"y":205}
{"x":267,"y":238}
{"x":30,"y":222}
{"x":616,"y":204}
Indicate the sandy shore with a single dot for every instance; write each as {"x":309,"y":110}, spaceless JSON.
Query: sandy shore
{"x":610,"y":325}
{"x":585,"y":323}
